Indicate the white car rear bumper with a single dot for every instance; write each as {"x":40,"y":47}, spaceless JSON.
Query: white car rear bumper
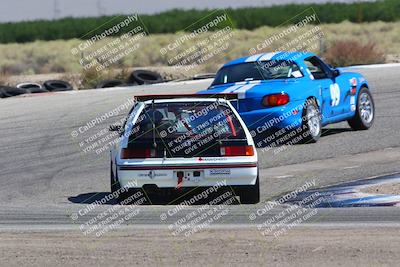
{"x":193,"y":176}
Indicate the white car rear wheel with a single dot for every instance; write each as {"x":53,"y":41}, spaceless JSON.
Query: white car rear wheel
{"x":250,"y":194}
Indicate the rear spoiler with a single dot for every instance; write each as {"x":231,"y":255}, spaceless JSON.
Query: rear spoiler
{"x":227,"y":96}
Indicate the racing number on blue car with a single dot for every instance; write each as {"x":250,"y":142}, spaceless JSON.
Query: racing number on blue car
{"x":335,"y":94}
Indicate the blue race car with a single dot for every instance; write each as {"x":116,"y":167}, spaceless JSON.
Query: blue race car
{"x":293,"y":91}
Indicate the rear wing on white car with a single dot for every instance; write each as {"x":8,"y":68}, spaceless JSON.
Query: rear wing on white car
{"x":227,"y":96}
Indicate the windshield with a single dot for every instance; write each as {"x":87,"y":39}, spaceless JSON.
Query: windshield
{"x":184,"y":125}
{"x":260,"y":70}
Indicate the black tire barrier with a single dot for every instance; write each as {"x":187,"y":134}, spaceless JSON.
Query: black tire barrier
{"x":32,"y":88}
{"x":57,"y":85}
{"x":110,"y":83}
{"x":8,"y":91}
{"x":145,"y":77}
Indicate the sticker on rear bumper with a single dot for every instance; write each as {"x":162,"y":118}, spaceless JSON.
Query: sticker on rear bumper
{"x":212,"y":159}
{"x":220,"y":172}
{"x":152,"y":174}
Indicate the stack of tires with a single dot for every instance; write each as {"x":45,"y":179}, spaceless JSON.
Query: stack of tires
{"x":57,"y":86}
{"x":137,"y":77}
{"x":34,"y":88}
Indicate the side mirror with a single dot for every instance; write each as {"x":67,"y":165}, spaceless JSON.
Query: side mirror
{"x":115,"y":128}
{"x":336,"y":72}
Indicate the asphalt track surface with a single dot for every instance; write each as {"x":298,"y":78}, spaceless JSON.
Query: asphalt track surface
{"x":46,"y":177}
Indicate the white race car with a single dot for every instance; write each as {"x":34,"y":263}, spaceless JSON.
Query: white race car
{"x":177,"y":142}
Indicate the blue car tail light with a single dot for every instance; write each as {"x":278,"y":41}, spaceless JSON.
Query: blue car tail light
{"x":274,"y":100}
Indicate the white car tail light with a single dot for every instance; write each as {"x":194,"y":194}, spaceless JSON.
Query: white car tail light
{"x":127,"y":153}
{"x":237,"y":151}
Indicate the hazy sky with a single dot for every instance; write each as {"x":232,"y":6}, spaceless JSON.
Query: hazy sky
{"x":17,"y":10}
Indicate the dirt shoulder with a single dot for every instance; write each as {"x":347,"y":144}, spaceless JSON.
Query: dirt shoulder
{"x":299,"y":247}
